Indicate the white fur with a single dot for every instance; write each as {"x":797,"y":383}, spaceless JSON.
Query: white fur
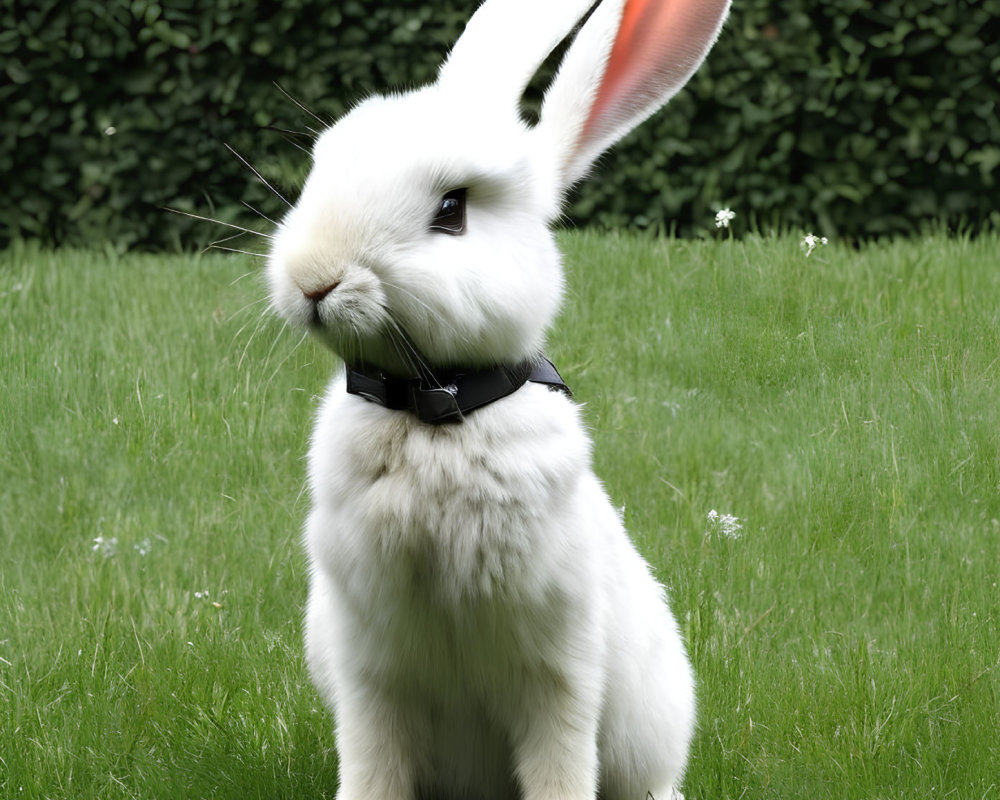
{"x":476,"y":610}
{"x":485,"y":297}
{"x":478,"y":619}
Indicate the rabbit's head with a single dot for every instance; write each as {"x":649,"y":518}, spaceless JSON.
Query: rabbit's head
{"x":422,"y":231}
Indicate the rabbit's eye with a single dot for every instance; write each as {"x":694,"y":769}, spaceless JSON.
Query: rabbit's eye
{"x":450,"y":217}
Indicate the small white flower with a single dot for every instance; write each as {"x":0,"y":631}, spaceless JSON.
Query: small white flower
{"x":111,"y":130}
{"x":106,"y":547}
{"x":810,"y":242}
{"x":143,"y":547}
{"x":724,"y":217}
{"x":726,"y":524}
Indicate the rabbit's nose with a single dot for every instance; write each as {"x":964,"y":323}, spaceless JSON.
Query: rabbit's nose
{"x":317,"y":295}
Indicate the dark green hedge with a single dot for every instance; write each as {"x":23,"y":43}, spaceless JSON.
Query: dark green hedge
{"x":849,"y":118}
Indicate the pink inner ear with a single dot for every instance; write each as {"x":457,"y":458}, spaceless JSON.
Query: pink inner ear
{"x":659,"y":43}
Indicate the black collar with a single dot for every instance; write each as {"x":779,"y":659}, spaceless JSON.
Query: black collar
{"x":448,"y":395}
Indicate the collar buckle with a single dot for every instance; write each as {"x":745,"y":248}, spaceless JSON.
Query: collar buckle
{"x":435,"y":405}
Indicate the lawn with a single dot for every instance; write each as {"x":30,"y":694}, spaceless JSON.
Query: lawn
{"x":838,"y":413}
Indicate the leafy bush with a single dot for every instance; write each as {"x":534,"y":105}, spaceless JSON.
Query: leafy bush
{"x":849,"y":118}
{"x":116,"y":109}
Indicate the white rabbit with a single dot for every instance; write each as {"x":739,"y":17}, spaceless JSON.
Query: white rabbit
{"x":478,"y":620}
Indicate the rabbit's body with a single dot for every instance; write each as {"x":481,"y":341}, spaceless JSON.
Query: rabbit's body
{"x":477,"y":611}
{"x":478,"y":620}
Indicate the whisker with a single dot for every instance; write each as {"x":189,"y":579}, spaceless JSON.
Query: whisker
{"x":233,"y":250}
{"x":401,"y":354}
{"x":251,"y":321}
{"x":283,"y":361}
{"x":244,"y":276}
{"x":216,"y":221}
{"x":291,"y":136}
{"x":244,"y":309}
{"x":433,"y":312}
{"x":288,"y":132}
{"x":246,"y":348}
{"x":410,"y":354}
{"x":409,"y":358}
{"x":228,"y":238}
{"x":297,"y":103}
{"x":258,"y":212}
{"x":260,"y":301}
{"x":293,"y":143}
{"x":359,"y":346}
{"x":260,"y":177}
{"x":353,"y":350}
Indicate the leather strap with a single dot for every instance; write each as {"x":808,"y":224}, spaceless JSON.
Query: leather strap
{"x":448,"y":395}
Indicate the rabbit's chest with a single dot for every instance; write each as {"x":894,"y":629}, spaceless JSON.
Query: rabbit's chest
{"x":432,"y":519}
{"x":444,"y":512}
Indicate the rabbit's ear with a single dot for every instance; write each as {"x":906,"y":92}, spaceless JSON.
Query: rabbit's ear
{"x":629,"y":59}
{"x":503,"y":45}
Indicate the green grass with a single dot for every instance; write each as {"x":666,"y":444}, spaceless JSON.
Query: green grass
{"x":843,"y":406}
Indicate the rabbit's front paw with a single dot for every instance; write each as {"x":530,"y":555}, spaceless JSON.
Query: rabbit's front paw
{"x":374,"y":759}
{"x":556,"y":755}
{"x":376,"y":783}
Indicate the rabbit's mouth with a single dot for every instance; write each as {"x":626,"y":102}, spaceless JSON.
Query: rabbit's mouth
{"x":346,"y":309}
{"x":363,"y":329}
{"x":372,"y":312}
